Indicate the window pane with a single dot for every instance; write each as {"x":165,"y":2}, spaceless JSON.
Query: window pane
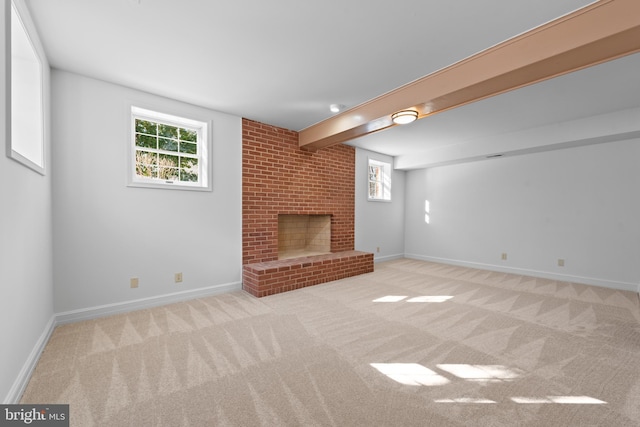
{"x":167,"y":144}
{"x":187,"y":175}
{"x":143,"y":126}
{"x":188,"y":169}
{"x":186,"y":147}
{"x":168,"y":169}
{"x":145,"y":158}
{"x":374,"y":173}
{"x":146,"y":141}
{"x":168,"y":131}
{"x":168,"y":160}
{"x":170,"y":174}
{"x":188,"y":135}
{"x":372,"y":190}
{"x":146,"y":164}
{"x":189,"y":163}
{"x":146,"y":170}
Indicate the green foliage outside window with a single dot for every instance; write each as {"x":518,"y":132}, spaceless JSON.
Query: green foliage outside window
{"x":166,"y":152}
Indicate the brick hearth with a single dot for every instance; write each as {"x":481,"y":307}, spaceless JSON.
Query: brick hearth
{"x":272,"y":277}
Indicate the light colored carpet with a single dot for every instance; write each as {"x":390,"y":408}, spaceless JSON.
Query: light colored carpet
{"x":412,"y":344}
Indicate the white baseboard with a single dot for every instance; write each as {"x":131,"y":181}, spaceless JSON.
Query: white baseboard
{"x":611,"y":284}
{"x":143,"y":303}
{"x":387,"y":257}
{"x":20,"y":384}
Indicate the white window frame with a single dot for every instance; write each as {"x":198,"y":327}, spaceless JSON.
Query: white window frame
{"x":203,"y":129}
{"x":384,"y":195}
{"x":25,"y":89}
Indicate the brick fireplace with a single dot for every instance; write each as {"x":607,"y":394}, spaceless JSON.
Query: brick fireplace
{"x":278,"y":178}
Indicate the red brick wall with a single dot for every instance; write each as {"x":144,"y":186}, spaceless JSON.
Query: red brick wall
{"x":279,"y":178}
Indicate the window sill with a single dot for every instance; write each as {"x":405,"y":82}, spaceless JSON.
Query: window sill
{"x":160,"y":186}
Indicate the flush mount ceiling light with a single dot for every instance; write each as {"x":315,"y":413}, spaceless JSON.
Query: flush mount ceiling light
{"x":403,"y":117}
{"x":336,"y":108}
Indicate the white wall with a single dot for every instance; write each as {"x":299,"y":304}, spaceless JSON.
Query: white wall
{"x":579,"y":204}
{"x":106,"y":233}
{"x":26,"y":292}
{"x":379,"y":224}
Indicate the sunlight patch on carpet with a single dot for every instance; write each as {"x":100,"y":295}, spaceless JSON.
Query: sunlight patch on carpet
{"x":410,"y":374}
{"x":424,"y":298}
{"x":431,"y":298}
{"x":565,"y":400}
{"x":482,"y":373}
{"x":390,"y":298}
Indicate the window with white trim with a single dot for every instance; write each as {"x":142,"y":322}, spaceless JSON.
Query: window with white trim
{"x":25,"y":121}
{"x":379,"y":180}
{"x":168,"y":151}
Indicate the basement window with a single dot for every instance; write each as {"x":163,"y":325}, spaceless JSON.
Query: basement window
{"x":24,"y":123}
{"x":379,"y":180}
{"x":168,"y":151}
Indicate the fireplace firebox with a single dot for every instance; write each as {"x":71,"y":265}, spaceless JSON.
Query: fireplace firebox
{"x":303,"y":235}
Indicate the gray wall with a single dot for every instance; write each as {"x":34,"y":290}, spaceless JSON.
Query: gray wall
{"x":106,"y":233}
{"x":26,"y":292}
{"x":579,"y":204}
{"x":379,"y":224}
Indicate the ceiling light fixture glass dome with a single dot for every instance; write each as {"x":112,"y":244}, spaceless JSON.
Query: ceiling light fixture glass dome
{"x":404,"y":116}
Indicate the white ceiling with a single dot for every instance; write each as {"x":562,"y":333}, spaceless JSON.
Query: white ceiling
{"x":283,"y":62}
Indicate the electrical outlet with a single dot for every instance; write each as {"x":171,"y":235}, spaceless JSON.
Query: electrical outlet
{"x":134,"y":282}
{"x":504,"y":256}
{"x":560,"y":262}
{"x":178,"y":277}
{"x":378,"y":249}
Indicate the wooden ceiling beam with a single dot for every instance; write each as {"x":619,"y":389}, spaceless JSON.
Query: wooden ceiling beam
{"x":600,"y":32}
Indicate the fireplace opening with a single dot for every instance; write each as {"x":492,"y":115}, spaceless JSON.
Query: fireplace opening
{"x":303,"y":235}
